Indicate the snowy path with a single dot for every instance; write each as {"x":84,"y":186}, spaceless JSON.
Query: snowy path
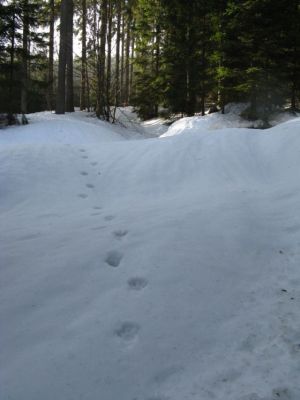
{"x":127,"y":118}
{"x":163,"y":269}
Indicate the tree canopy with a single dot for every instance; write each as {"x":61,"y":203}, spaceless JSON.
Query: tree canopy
{"x":177,"y":56}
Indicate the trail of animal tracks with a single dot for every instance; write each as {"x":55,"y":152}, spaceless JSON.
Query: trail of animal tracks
{"x":158,"y":269}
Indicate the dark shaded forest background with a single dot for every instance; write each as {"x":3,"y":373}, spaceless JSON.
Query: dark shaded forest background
{"x":160,"y":56}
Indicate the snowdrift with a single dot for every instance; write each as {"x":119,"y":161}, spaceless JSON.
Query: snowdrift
{"x":160,"y":269}
{"x":231,"y":119}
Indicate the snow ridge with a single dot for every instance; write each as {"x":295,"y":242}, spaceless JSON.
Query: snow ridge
{"x":160,"y":269}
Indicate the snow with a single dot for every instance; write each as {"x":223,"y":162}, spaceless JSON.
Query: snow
{"x":159,"y":269}
{"x":127,"y":118}
{"x":231,"y":119}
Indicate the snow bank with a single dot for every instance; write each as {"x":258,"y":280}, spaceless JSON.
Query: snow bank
{"x":161,"y":269}
{"x":231,"y":119}
{"x":47,"y":127}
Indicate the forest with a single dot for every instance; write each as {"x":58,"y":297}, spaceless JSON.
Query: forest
{"x":149,"y":199}
{"x":162,"y":57}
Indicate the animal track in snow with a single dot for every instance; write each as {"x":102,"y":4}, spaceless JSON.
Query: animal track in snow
{"x":82,"y":150}
{"x":292,"y":339}
{"x":167,"y":373}
{"x":90,"y":185}
{"x":295,"y":348}
{"x":282,"y":394}
{"x":127,"y":331}
{"x":252,"y":396}
{"x":84,"y":173}
{"x":85,"y":157}
{"x":30,"y":236}
{"x":293,"y":228}
{"x":95,"y":214}
{"x":114,"y":258}
{"x":137,"y":283}
{"x":109,"y":217}
{"x":249,"y":343}
{"x":94,"y":163}
{"x":83,"y":196}
{"x":50,"y":215}
{"x":119,"y":234}
{"x":98,"y":228}
{"x":97,"y":208}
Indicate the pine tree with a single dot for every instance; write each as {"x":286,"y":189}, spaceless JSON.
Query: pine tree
{"x":147,"y":62}
{"x":254,"y":54}
{"x":22,"y":56}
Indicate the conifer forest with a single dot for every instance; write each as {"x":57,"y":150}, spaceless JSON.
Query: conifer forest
{"x":159,"y":56}
{"x":149,"y":199}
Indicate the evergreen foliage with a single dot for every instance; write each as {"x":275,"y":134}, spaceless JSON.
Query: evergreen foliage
{"x":179,"y":56}
{"x":22,"y":57}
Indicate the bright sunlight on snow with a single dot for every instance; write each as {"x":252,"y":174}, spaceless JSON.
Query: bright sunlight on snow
{"x":158,"y":269}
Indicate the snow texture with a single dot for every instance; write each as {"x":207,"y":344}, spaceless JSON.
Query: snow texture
{"x":159,"y":269}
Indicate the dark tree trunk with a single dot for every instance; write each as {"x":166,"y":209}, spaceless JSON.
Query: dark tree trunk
{"x":11,"y":69}
{"x":131,"y":63}
{"x":101,"y":106}
{"x":61,"y":85}
{"x":83,"y":99}
{"x":118,"y":42}
{"x":69,"y":83}
{"x":88,"y":90}
{"x":294,"y":82}
{"x":24,"y":89}
{"x":157,"y":61}
{"x":108,"y":70}
{"x":95,"y":51}
{"x":65,"y":100}
{"x":50,"y":99}
{"x":127,"y":62}
{"x":203,"y":55}
{"x":122,"y":60}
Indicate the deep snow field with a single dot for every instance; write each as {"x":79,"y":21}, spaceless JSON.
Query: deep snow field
{"x":158,"y":269}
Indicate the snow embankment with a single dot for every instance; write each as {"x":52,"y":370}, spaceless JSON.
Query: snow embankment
{"x":49,"y":128}
{"x":231,"y":119}
{"x":157,"y":269}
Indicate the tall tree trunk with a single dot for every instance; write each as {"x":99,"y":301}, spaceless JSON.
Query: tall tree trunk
{"x":69,"y":83}
{"x":131,"y":63}
{"x":88,"y":90}
{"x":190,"y":68}
{"x":101,"y":109}
{"x":108,"y":71}
{"x":122,"y":60}
{"x":293,"y":94}
{"x":295,"y":58}
{"x":83,"y":100}
{"x":61,"y":85}
{"x":11,"y":70}
{"x":24,"y":88}
{"x":95,"y":52}
{"x":50,"y":100}
{"x":118,"y":42}
{"x":203,"y":55}
{"x":157,"y":60}
{"x":127,"y":62}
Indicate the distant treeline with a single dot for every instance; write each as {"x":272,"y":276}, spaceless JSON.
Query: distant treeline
{"x":176,"y":55}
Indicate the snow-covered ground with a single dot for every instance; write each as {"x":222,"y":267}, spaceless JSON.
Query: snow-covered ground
{"x":160,"y":269}
{"x":126,"y":117}
{"x":231,"y":119}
